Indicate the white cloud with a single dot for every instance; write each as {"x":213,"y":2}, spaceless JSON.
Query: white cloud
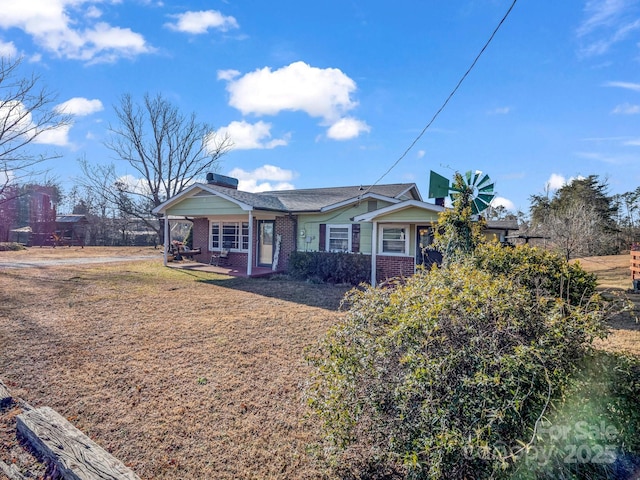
{"x":58,"y":136}
{"x":200,"y":22}
{"x":324,"y":93}
{"x":632,"y":143}
{"x":68,"y":28}
{"x":8,"y":50}
{"x":15,"y":118}
{"x":93,"y":12}
{"x":247,"y":136}
{"x":503,"y":202}
{"x":19,"y":122}
{"x":227,"y":74}
{"x":421,"y":154}
{"x":626,"y":85}
{"x":606,"y":23}
{"x":555,"y":182}
{"x":320,"y":93}
{"x":347,"y":128}
{"x":80,"y":106}
{"x":133,"y":184}
{"x":260,"y":179}
{"x":500,"y":111}
{"x":626,"y":109}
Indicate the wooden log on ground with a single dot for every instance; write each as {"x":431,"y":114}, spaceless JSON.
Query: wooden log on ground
{"x":76,"y":455}
{"x":11,"y":471}
{"x":5,"y":396}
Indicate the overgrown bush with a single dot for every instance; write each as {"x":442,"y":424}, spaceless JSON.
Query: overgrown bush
{"x":542,"y":272}
{"x":329,"y":267}
{"x":449,"y":374}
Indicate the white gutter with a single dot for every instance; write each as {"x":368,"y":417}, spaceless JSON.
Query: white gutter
{"x":374,"y":244}
{"x":250,"y":252}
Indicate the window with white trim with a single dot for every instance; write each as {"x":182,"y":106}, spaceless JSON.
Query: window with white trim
{"x":338,"y":238}
{"x":231,"y":235}
{"x":394,"y":239}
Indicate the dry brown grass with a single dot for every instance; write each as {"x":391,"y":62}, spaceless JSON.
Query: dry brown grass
{"x":183,"y":374}
{"x":179,"y":374}
{"x":614,"y":276}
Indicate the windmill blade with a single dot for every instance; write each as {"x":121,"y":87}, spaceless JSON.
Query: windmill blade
{"x":475,"y":178}
{"x":484,"y":182}
{"x":487,"y":188}
{"x":480,"y":188}
{"x":486,"y":197}
{"x":467,"y":175}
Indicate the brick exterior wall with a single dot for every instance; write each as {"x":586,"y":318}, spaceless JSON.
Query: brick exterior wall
{"x":201,"y":239}
{"x":389,"y":267}
{"x":287,"y":227}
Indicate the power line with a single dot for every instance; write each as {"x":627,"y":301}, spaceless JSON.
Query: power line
{"x":442,"y":107}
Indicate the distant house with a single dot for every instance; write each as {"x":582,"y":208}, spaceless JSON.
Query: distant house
{"x":390,"y":223}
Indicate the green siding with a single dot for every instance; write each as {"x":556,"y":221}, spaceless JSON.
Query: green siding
{"x":310,"y":224}
{"x":202,"y":206}
{"x":410,"y":215}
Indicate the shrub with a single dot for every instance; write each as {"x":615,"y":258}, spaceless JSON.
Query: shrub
{"x":328,"y":267}
{"x":542,"y":272}
{"x":448,"y":375}
{"x":11,"y":246}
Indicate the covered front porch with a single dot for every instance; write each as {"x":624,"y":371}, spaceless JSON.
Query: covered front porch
{"x":189,"y":265}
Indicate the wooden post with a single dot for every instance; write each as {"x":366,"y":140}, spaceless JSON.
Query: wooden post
{"x":76,"y":455}
{"x":5,"y":396}
{"x":635,"y":265}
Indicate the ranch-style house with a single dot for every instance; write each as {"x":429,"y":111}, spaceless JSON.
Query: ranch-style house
{"x":390,"y":223}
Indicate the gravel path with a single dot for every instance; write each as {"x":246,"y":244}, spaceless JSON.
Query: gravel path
{"x":37,"y":263}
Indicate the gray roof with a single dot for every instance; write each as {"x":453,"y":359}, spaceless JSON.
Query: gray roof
{"x":312,"y":199}
{"x":503,"y":224}
{"x":256,"y":200}
{"x":71,"y":219}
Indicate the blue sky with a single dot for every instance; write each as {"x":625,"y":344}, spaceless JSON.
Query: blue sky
{"x":329,"y":93}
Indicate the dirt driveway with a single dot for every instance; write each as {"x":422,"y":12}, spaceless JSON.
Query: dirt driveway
{"x":36,"y":257}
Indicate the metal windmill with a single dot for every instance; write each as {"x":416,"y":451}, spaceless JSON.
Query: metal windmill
{"x":479,"y":186}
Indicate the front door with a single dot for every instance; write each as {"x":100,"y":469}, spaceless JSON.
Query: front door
{"x":265,"y":242}
{"x":424,"y":255}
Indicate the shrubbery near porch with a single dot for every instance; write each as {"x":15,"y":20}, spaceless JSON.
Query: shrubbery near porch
{"x":329,"y":267}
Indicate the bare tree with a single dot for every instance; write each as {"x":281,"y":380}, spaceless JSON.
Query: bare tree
{"x":166,"y":149}
{"x":26,"y":114}
{"x":575,"y":231}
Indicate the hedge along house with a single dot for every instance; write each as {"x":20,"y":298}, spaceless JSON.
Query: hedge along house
{"x":390,"y":223}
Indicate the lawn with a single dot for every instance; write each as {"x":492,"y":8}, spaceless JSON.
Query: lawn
{"x":614,"y":276}
{"x":178,"y":373}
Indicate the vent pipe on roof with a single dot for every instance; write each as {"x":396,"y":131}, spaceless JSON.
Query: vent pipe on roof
{"x":222,"y":180}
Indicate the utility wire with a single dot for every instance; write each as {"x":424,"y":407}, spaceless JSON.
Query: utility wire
{"x":442,"y":107}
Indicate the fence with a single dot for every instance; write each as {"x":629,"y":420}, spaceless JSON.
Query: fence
{"x":635,"y":266}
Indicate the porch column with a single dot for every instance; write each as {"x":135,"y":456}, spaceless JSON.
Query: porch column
{"x":374,"y":246}
{"x":166,"y":238}
{"x":250,"y":252}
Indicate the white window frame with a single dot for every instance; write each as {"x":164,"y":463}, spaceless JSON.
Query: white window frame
{"x":241,"y":227}
{"x":329,"y":227}
{"x":381,"y":239}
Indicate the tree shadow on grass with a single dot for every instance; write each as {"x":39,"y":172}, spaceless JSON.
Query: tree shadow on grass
{"x":313,"y":295}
